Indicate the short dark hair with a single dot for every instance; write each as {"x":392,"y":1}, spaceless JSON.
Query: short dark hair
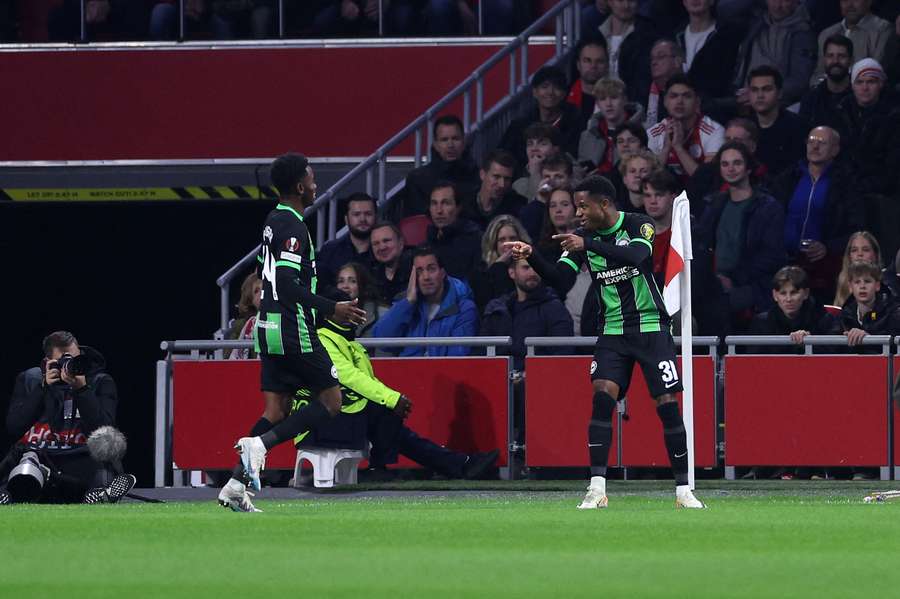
{"x":794,"y":275}
{"x":862,"y":269}
{"x":59,"y":340}
{"x":559,"y":160}
{"x":359,"y":197}
{"x":543,"y":131}
{"x":766,"y":70}
{"x":441,"y":185}
{"x":745,"y":152}
{"x":661,"y":179}
{"x":679,"y":79}
{"x":392,"y":226}
{"x":427,"y":250}
{"x":745,"y":124}
{"x":501,"y":157}
{"x":553,"y":74}
{"x":446,"y":120}
{"x":287,"y":171}
{"x":597,"y":187}
{"x":635,"y":129}
{"x":839,"y":40}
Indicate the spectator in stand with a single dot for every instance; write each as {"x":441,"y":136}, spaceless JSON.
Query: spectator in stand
{"x":356,"y":18}
{"x":820,"y":104}
{"x":861,"y":247}
{"x":435,"y":305}
{"x":666,"y":61}
{"x":629,"y":138}
{"x":592,"y":65}
{"x":164,"y":19}
{"x":532,"y":310}
{"x":685,"y":139}
{"x":559,"y":219}
{"x":450,"y":161}
{"x":633,"y":169}
{"x":868,"y":311}
{"x":660,"y":188}
{"x":541,"y":142}
{"x":392,"y":262}
{"x":596,"y":147}
{"x":356,"y":281}
{"x":629,"y":38}
{"x":872,"y":36}
{"x":796,"y":312}
{"x":709,"y":46}
{"x":782,"y":37}
{"x":549,"y":89}
{"x":491,"y":279}
{"x":781,"y":132}
{"x":456,"y":240}
{"x":355,"y":246}
{"x":496,"y":195}
{"x":107,"y":19}
{"x":248,"y":308}
{"x":226,"y":20}
{"x":556,"y":173}
{"x":821,"y":209}
{"x":743,"y":228}
{"x":870,"y":135}
{"x":891,"y":277}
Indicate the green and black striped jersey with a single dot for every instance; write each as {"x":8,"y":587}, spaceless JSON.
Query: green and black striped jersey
{"x":287,"y":258}
{"x":630,"y":301}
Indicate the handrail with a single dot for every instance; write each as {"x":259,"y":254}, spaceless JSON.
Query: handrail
{"x":566,"y":14}
{"x":533,"y":342}
{"x":734,"y":341}
{"x":207,"y":345}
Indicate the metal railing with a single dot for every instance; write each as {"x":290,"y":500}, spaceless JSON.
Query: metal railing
{"x":735,"y":341}
{"x":567,"y":20}
{"x":534,"y":342}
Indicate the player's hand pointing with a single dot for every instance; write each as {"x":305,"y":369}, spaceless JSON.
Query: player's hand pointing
{"x":570,"y":242}
{"x":347,"y":313}
{"x":519,"y":249}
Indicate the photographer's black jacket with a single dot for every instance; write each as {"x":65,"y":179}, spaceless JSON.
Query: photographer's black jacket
{"x":56,"y":417}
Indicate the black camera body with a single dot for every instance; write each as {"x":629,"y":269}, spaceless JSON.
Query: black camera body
{"x":76,"y":365}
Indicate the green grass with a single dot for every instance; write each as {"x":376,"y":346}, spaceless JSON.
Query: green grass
{"x":756,"y":540}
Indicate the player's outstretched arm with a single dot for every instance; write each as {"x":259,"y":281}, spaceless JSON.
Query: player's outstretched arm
{"x":633,"y":253}
{"x":559,"y":276}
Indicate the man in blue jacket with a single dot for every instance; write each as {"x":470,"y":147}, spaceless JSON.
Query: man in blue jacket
{"x":436,"y":305}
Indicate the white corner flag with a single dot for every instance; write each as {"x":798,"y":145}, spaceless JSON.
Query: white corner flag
{"x":677,"y":297}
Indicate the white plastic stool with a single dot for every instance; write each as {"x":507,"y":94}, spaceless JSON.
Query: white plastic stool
{"x":330,"y":466}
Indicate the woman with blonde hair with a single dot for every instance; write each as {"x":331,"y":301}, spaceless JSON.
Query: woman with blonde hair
{"x":861,"y":247}
{"x":491,"y":280}
{"x":247,"y":307}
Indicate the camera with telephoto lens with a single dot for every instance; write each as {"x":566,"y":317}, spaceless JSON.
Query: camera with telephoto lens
{"x":27,"y":479}
{"x":76,"y":365}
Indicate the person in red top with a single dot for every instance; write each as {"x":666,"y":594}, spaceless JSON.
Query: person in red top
{"x":591,"y":64}
{"x":660,"y":188}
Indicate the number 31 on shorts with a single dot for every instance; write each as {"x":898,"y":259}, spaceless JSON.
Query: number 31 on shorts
{"x":669,"y":372}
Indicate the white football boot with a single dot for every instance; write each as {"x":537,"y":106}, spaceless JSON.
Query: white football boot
{"x":234,"y":495}
{"x":253,"y":458}
{"x":595,"y":498}
{"x":684,"y":498}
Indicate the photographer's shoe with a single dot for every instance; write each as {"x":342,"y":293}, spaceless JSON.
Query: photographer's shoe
{"x":117,"y":489}
{"x":253,"y":458}
{"x":234,"y":495}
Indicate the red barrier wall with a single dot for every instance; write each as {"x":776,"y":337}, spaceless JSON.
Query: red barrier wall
{"x":227,"y":103}
{"x":814,"y":411}
{"x":896,"y":419}
{"x":460,"y":403}
{"x":558,"y":437}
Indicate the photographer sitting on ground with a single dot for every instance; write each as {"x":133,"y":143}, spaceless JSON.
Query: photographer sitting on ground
{"x":63,"y":414}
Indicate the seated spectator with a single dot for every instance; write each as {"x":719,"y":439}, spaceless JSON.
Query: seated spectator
{"x":592,"y":65}
{"x":104,"y":19}
{"x":666,"y":61}
{"x":491,"y":279}
{"x":868,"y":311}
{"x":559,"y":219}
{"x":890,"y":277}
{"x":392,"y":262}
{"x":164,"y":19}
{"x":872,"y":36}
{"x":796,"y":312}
{"x":496,"y":195}
{"x":781,"y":132}
{"x":659,"y":188}
{"x":355,"y":281}
{"x":783,"y":38}
{"x":435,"y":305}
{"x":633,"y":169}
{"x":532,"y":310}
{"x":450,"y":161}
{"x":743,"y":228}
{"x":556,"y":173}
{"x":549,"y":89}
{"x":596,"y":147}
{"x":685,"y":139}
{"x":709,"y":45}
{"x":248,"y":308}
{"x":629,"y":38}
{"x":541,"y":142}
{"x":821,"y":209}
{"x":861,"y":247}
{"x":819,"y":105}
{"x":356,"y":18}
{"x":456,"y":240}
{"x":226,"y":20}
{"x":355,"y":246}
{"x":628,"y":138}
{"x":383,"y":410}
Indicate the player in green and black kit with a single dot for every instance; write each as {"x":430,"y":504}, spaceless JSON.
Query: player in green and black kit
{"x":634,"y":325}
{"x":292,"y":356}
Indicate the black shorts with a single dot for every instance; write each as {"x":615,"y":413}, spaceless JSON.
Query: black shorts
{"x":285,"y":374}
{"x":615,"y":355}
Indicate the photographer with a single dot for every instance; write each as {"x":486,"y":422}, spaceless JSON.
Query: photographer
{"x":62,"y":413}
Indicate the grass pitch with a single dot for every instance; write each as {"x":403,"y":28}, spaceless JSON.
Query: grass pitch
{"x":501,"y":540}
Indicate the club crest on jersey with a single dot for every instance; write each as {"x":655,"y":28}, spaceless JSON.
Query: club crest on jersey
{"x":647,"y":231}
{"x":292,"y":245}
{"x":267,"y":233}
